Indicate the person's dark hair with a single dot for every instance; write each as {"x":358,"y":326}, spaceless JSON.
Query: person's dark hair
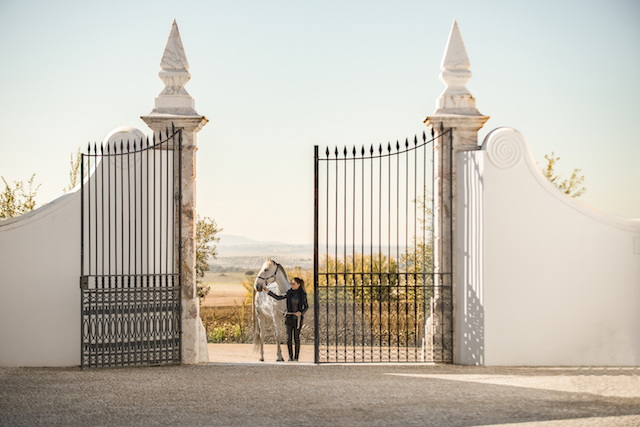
{"x":300,"y":282}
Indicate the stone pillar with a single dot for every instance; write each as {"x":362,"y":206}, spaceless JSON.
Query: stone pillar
{"x":175,"y":107}
{"x":456,"y":110}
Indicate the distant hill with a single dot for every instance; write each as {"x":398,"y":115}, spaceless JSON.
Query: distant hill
{"x":231,"y":244}
{"x":237,"y":252}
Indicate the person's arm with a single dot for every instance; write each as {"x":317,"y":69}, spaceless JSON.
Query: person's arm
{"x":276,"y":296}
{"x":305,"y":305}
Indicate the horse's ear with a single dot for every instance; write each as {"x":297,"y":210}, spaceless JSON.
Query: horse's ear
{"x":268,"y":259}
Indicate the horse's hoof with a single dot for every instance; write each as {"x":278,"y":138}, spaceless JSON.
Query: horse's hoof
{"x":262,"y":359}
{"x":280,"y":360}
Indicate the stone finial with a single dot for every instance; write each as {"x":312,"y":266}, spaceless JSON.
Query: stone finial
{"x":455,"y":65}
{"x":174,"y":99}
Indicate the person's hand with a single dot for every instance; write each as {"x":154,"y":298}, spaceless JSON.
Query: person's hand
{"x":298,"y":314}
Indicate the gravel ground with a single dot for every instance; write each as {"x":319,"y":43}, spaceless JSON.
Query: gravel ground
{"x":263,"y":394}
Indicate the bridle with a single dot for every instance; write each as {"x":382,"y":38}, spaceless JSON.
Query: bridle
{"x":266,"y":280}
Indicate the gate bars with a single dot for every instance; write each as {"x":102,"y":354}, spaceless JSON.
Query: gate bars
{"x":375,"y":282}
{"x":131,"y":253}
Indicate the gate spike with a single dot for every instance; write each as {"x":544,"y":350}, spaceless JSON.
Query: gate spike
{"x":433,"y":133}
{"x":406,"y":143}
{"x":441,"y":128}
{"x":108,"y":148}
{"x":154,"y":140}
{"x":397,"y":145}
{"x":89,"y":148}
{"x":424,"y":137}
{"x":380,"y":149}
{"x":128,"y":149}
{"x":336,"y":153}
{"x":115,"y":148}
{"x":371,"y":150}
{"x":354,"y":151}
{"x":362,"y":152}
{"x":95,"y":147}
{"x":134,"y":144}
{"x":327,"y":152}
{"x":389,"y":146}
{"x":345,"y":151}
{"x":121,"y":146}
{"x":415,"y":140}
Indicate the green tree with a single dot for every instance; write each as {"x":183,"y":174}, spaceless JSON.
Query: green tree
{"x":16,"y":200}
{"x":573,"y":186}
{"x":206,"y":247}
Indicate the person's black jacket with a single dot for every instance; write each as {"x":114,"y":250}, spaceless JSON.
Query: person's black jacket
{"x":296,"y":300}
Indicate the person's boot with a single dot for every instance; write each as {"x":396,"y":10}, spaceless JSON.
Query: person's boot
{"x":289,"y":347}
{"x":297,"y":352}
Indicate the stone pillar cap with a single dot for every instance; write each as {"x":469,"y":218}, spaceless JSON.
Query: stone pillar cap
{"x":174,"y":99}
{"x":455,"y":101}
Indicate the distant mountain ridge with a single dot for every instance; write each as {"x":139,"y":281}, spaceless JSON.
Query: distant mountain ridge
{"x":231,"y":244}
{"x":233,"y":240}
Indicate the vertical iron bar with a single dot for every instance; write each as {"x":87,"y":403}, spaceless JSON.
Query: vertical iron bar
{"x":180,"y":244}
{"x":450,"y":291}
{"x":362,"y":268}
{"x":380,"y":266}
{"x":345,"y":278}
{"x":371,"y":215}
{"x":315,"y":255}
{"x":353,"y":257}
{"x":82,"y":278}
{"x":388,"y":292}
{"x":327,"y":255}
{"x":335,"y":249}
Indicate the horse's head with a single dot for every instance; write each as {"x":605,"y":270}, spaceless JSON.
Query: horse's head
{"x":266,"y":275}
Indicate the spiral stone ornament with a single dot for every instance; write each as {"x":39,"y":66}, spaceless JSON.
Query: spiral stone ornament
{"x":504,"y":147}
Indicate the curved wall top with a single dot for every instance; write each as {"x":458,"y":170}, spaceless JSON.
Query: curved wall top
{"x":506,"y":148}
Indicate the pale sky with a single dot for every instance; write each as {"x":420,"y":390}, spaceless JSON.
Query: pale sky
{"x":276,"y":77}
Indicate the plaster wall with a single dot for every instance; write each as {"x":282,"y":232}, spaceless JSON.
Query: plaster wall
{"x":39,"y":284}
{"x":556,"y":282}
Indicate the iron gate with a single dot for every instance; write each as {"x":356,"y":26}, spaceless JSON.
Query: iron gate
{"x":130,"y":253}
{"x":375,"y":284}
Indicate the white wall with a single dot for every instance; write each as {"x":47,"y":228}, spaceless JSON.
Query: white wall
{"x":39,"y":286}
{"x":556,"y":282}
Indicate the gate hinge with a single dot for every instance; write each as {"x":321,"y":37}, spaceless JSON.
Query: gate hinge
{"x":84,"y":282}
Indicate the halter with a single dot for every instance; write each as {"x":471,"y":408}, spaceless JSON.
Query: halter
{"x":266,"y":281}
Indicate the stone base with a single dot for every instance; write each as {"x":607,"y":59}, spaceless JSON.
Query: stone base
{"x":194,"y":336}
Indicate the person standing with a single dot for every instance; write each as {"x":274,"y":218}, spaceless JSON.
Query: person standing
{"x":294,"y":316}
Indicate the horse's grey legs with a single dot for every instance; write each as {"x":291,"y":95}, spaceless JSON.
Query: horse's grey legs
{"x":276,"y":323}
{"x":261,"y":328}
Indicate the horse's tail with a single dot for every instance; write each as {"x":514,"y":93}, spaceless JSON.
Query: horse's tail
{"x":257,"y":341}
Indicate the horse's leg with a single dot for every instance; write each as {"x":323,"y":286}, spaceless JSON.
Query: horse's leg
{"x":261,"y":334}
{"x":276,"y":323}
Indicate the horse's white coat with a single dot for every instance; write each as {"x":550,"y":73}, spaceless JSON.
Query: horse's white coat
{"x":266,"y":309}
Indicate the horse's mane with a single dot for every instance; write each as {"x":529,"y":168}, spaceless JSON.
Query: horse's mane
{"x":286,"y":276}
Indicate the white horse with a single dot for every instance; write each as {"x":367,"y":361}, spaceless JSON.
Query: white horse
{"x":274,"y":278}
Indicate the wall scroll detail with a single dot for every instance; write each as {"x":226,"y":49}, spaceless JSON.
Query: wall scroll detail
{"x":504,"y":147}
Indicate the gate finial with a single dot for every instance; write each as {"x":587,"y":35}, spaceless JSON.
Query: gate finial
{"x":455,"y":65}
{"x":174,"y":99}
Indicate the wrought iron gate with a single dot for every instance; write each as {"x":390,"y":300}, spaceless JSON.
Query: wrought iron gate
{"x":374,"y":279}
{"x":130,"y":253}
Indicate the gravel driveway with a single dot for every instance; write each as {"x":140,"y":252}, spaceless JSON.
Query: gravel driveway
{"x":277,"y":394}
